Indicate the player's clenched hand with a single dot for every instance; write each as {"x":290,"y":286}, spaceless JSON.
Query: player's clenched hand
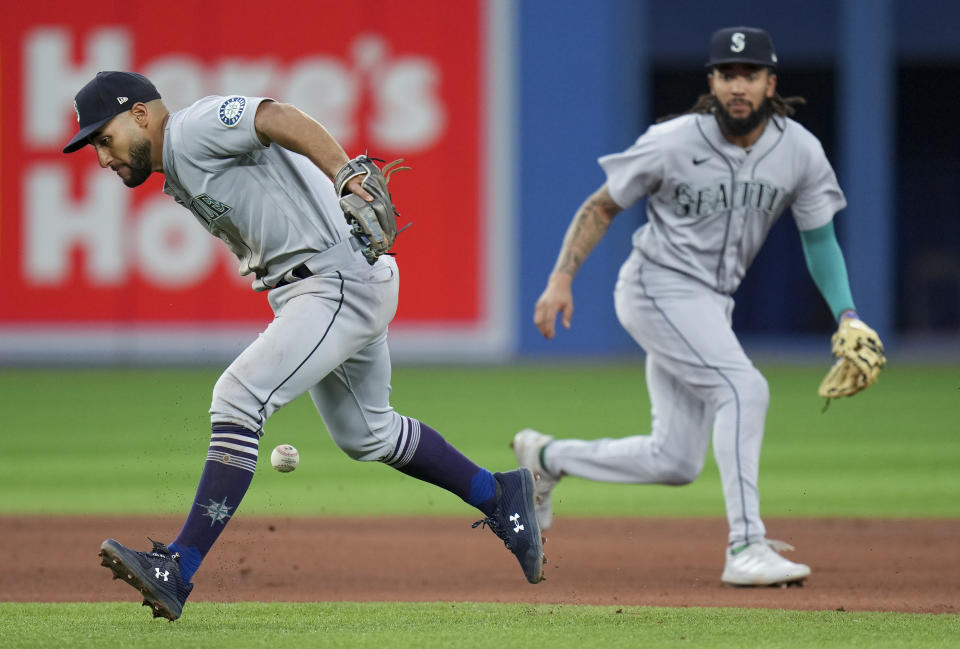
{"x":556,"y":298}
{"x":355,"y":186}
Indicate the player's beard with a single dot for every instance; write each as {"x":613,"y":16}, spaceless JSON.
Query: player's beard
{"x":140,"y":165}
{"x":740,"y":125}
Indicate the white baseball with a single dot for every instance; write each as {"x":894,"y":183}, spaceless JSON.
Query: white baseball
{"x":285,"y":458}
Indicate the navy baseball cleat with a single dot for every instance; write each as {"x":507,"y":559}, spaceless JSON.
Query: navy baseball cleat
{"x":515,"y":523}
{"x":156,"y":574}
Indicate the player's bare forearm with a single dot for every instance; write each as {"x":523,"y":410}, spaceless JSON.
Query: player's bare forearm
{"x":588,"y":227}
{"x":293,"y":129}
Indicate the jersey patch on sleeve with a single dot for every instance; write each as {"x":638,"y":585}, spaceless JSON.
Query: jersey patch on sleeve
{"x":231,"y":110}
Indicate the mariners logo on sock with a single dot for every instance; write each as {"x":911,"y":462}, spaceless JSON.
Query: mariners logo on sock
{"x":217,"y":511}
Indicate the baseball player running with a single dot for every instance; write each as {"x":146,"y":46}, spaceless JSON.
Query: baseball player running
{"x":275,"y":186}
{"x":716,"y":178}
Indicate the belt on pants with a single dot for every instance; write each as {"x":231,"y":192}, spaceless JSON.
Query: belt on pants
{"x":333,"y":258}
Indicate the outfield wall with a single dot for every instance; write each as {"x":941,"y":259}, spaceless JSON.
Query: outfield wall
{"x":502,"y":108}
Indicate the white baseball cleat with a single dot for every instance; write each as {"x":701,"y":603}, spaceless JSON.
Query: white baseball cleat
{"x":760,"y":564}
{"x":526,"y":446}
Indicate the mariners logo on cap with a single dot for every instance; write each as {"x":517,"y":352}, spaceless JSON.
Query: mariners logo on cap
{"x":231,"y":110}
{"x":76,"y":109}
{"x":737,"y":42}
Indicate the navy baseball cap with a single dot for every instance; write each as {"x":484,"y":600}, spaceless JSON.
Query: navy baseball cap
{"x":742,"y":45}
{"x":106,"y":96}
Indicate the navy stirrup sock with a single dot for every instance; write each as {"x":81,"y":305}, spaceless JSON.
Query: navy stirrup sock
{"x":422,"y":453}
{"x":231,"y":461}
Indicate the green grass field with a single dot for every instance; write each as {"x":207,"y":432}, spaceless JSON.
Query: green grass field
{"x":106,"y":441}
{"x":471,"y":626}
{"x":134,"y":441}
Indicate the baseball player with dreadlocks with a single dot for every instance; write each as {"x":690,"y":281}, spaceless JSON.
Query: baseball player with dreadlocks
{"x":716,"y":179}
{"x":312,"y":226}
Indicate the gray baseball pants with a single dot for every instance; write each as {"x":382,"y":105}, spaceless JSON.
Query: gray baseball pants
{"x":700,"y":383}
{"x":328,"y":338}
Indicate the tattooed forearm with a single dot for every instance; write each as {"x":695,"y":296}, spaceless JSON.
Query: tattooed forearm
{"x":586,"y":230}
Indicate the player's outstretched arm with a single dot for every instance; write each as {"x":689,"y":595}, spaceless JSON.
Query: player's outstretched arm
{"x":827,"y":268}
{"x":293,"y":129}
{"x":586,"y":230}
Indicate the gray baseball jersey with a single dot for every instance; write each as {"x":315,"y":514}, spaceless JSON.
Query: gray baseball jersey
{"x":711,"y":203}
{"x":273,"y":208}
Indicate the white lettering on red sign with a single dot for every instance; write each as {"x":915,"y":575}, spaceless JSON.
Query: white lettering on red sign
{"x":158,"y":239}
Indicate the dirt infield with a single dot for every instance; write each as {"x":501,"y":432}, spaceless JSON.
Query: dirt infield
{"x":875,"y":565}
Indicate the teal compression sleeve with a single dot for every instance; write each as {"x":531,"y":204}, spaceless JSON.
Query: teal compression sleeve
{"x":827,"y":268}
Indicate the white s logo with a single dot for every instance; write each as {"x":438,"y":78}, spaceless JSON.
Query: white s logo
{"x":737,"y":42}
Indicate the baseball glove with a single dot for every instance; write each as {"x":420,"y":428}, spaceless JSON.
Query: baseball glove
{"x":374,"y":223}
{"x":860,"y":358}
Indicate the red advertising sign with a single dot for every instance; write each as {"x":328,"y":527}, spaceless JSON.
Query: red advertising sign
{"x":400,"y":79}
